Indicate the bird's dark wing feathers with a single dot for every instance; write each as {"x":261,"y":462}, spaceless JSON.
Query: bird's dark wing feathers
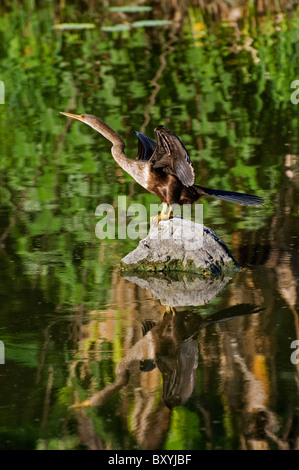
{"x":172,"y":157}
{"x":239,"y":198}
{"x":146,"y":146}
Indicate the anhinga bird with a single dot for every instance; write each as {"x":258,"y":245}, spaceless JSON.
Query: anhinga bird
{"x":164,"y":167}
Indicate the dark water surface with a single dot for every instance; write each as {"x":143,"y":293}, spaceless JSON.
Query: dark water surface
{"x":71,"y":324}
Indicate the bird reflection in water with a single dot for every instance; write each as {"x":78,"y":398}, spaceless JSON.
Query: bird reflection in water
{"x":171,"y":346}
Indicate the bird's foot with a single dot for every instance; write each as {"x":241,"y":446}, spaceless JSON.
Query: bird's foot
{"x":165,"y":216}
{"x":157,"y":218}
{"x":154,"y":219}
{"x":170,"y":310}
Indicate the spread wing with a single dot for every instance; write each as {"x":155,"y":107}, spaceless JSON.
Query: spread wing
{"x":146,"y":146}
{"x":171,"y":155}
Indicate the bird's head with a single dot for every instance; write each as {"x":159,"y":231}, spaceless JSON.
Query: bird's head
{"x":81,"y":117}
{"x":99,"y":125}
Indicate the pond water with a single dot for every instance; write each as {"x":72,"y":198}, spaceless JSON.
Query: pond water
{"x":221,"y":375}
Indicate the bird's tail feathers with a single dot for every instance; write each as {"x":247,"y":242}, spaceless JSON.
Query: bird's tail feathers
{"x":239,"y":198}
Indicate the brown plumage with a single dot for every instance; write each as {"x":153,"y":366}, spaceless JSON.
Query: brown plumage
{"x":164,"y":167}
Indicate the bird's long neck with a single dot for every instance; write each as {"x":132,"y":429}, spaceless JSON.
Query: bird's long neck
{"x":118,"y":145}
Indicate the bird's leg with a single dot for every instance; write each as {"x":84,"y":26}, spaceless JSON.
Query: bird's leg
{"x":163,"y":215}
{"x":169,"y":309}
{"x":169,"y":215}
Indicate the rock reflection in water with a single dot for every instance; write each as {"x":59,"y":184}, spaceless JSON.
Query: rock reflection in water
{"x":180,"y":289}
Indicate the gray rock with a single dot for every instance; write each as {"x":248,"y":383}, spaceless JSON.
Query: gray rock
{"x":180,"y":245}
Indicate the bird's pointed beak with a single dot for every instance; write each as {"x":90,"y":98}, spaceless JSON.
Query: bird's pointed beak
{"x":74,"y":116}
